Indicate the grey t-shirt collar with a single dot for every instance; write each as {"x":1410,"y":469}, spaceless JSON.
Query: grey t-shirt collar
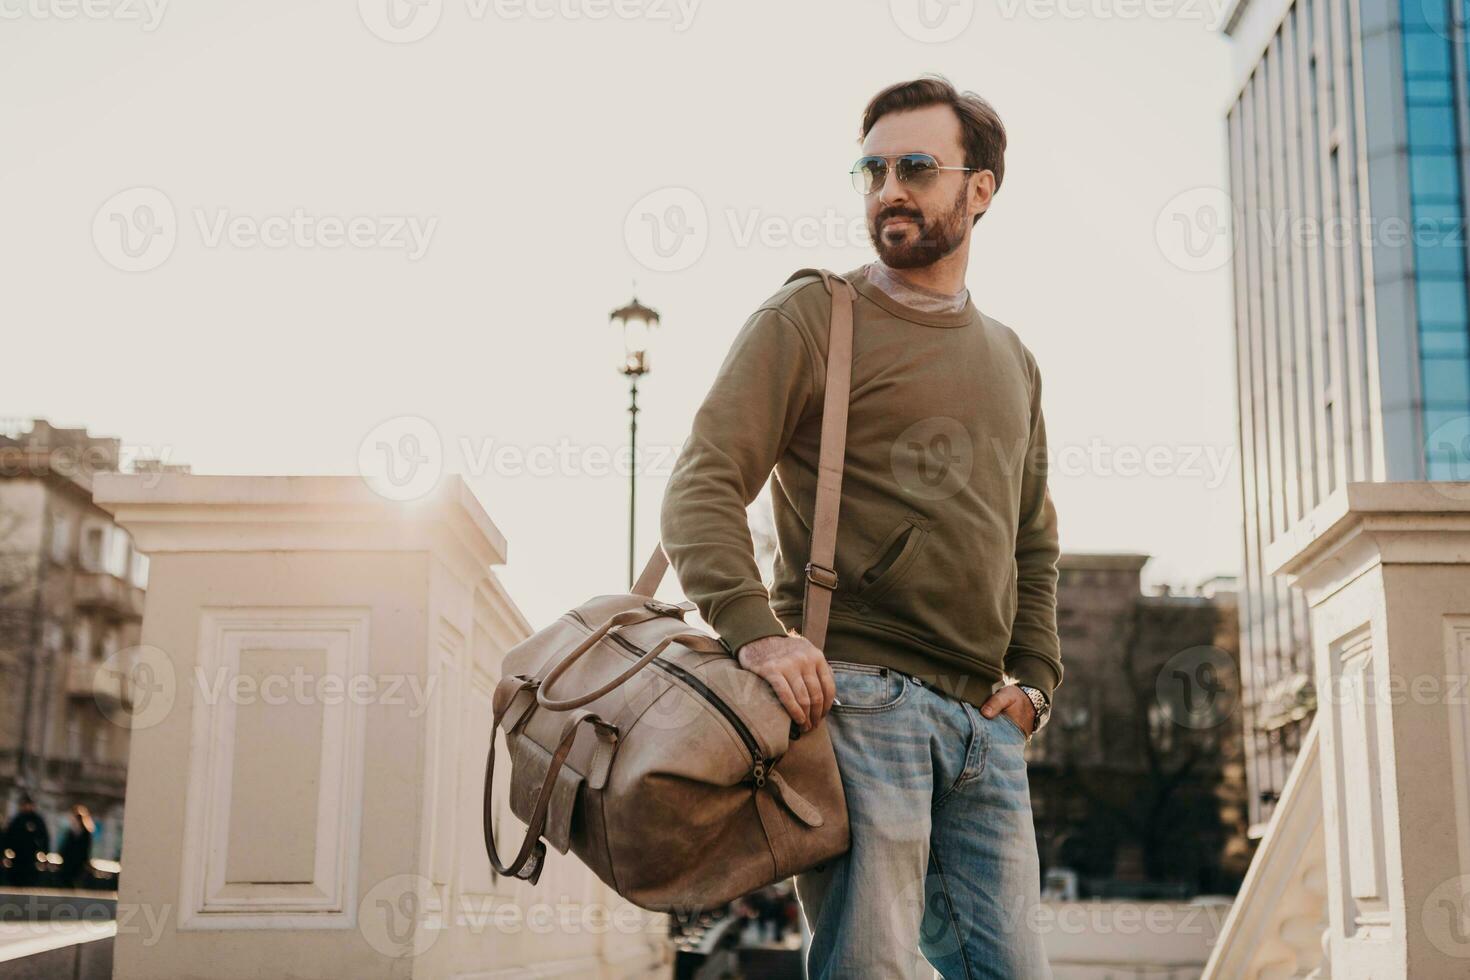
{"x":915,"y":297}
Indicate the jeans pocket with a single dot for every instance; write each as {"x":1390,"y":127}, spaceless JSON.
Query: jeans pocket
{"x":1014,"y":727}
{"x":866,"y":688}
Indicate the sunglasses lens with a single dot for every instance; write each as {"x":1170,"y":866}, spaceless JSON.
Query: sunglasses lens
{"x":917,"y":168}
{"x":869,"y":173}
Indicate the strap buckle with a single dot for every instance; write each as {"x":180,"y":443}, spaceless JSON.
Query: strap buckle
{"x":822,"y":575}
{"x":664,"y":608}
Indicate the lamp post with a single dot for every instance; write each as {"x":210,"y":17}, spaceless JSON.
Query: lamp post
{"x":635,"y":322}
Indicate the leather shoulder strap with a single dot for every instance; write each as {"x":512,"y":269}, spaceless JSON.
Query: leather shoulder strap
{"x":821,"y":573}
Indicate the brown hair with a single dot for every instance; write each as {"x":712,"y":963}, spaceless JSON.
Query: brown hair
{"x":982,"y":134}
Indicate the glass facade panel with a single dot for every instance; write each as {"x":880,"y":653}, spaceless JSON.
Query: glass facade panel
{"x":1438,"y":220}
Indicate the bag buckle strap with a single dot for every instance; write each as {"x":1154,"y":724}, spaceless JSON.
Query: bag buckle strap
{"x":821,"y":575}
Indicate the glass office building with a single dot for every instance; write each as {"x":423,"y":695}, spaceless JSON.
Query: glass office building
{"x":1347,"y":165}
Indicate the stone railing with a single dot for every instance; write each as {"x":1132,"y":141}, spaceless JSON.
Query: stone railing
{"x":1278,"y":923}
{"x":1381,"y":794}
{"x":310,"y":716}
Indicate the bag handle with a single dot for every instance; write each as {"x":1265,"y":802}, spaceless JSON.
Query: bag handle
{"x":821,"y":573}
{"x":699,"y":642}
{"x":530,"y":858}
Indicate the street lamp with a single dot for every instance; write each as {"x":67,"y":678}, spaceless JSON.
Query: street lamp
{"x":635,"y":322}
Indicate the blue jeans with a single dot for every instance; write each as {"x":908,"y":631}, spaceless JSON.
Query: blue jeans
{"x":943,"y":866}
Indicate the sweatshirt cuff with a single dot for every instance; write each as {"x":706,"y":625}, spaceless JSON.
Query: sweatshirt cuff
{"x":1034,"y":671}
{"x":746,"y":618}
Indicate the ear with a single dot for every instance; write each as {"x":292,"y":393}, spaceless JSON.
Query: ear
{"x":982,"y":191}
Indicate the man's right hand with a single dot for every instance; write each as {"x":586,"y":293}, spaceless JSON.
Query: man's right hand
{"x":797,"y":671}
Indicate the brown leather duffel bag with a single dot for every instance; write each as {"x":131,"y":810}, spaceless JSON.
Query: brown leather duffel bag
{"x":686,"y":785}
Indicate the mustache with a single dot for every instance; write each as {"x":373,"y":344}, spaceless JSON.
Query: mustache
{"x":888,"y":214}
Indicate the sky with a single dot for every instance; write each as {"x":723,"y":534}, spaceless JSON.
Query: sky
{"x":274,"y":237}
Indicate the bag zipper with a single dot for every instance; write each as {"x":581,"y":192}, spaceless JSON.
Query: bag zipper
{"x":759,"y":764}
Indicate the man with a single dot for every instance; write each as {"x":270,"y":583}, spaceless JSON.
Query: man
{"x":942,"y":651}
{"x":26,"y":836}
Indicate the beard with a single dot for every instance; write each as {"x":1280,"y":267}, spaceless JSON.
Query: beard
{"x":934,"y":239}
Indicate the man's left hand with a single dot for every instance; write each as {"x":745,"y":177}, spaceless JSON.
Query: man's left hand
{"x":1012,"y":701}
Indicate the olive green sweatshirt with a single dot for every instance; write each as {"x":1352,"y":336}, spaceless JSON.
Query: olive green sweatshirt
{"x":947,"y":538}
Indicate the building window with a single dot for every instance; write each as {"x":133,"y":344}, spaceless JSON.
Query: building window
{"x":60,"y":538}
{"x":82,"y":641}
{"x":74,"y":738}
{"x":1436,"y":202}
{"x":119,"y":552}
{"x":94,"y":540}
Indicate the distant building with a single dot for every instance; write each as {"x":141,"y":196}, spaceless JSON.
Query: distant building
{"x":1137,"y":784}
{"x":1348,"y":143}
{"x":71,"y":602}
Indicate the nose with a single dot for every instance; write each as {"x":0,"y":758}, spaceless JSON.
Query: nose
{"x":893,"y":190}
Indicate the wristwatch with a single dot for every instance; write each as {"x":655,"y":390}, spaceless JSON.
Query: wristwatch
{"x":1040,"y":703}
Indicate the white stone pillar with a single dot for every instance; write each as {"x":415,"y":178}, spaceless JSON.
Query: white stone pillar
{"x":310,"y":714}
{"x":1385,"y":568}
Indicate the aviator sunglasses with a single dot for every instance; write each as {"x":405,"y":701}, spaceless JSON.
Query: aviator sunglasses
{"x":914,"y":169}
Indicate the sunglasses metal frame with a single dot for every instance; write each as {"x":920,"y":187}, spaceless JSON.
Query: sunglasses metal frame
{"x":857,"y":169}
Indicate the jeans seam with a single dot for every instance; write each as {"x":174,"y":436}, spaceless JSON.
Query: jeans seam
{"x":974,"y":748}
{"x":954,"y":922}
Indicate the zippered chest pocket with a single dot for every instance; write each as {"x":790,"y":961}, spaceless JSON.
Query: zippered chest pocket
{"x":893,"y":557}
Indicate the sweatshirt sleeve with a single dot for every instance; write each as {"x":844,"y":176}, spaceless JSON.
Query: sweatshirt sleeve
{"x":763,"y":388}
{"x":1034,"y":655}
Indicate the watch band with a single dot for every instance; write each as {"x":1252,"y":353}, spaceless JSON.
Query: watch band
{"x":1040,"y":703}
